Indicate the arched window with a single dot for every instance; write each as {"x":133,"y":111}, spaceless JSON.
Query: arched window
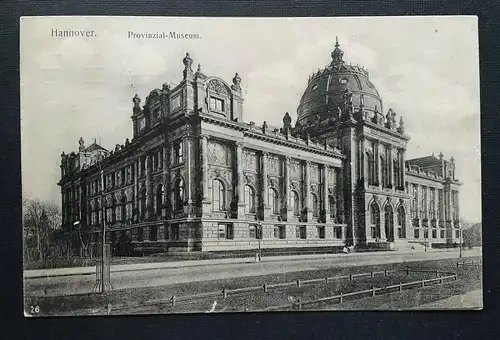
{"x":159,"y":199}
{"x":383,"y":167}
{"x":389,"y":223}
{"x":249,"y":199}
{"x":179,"y":193}
{"x":273,"y":201}
{"x":401,"y":222}
{"x":142,"y":203}
{"x":375,"y":220}
{"x":118,"y":211}
{"x":315,"y":205}
{"x":370,"y":168}
{"x":397,"y":175}
{"x":123,"y":208}
{"x":218,"y":195}
{"x":331,"y":205}
{"x":294,"y":202}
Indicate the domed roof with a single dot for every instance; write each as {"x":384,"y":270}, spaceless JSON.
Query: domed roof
{"x":326,"y":90}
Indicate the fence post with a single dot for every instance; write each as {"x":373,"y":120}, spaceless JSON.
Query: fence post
{"x":172,"y":300}
{"x":400,"y":287}
{"x":385,"y":272}
{"x":326,"y":280}
{"x":437,"y":273}
{"x":298,"y":283}
{"x":300,"y":304}
{"x":224,"y":293}
{"x":423,"y":283}
{"x":371,"y":273}
{"x":441,"y":280}
{"x":265,"y":288}
{"x":407,"y":271}
{"x":350,"y":277}
{"x":373,"y":291}
{"x":341,"y":298}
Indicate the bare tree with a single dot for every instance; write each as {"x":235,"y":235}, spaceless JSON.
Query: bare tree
{"x":40,"y":222}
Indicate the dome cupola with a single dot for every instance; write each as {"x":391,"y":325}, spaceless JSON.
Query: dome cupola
{"x":326,"y":91}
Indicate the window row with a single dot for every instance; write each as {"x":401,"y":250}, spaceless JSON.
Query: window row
{"x":424,"y":201}
{"x":219,"y":200}
{"x":433,"y":234}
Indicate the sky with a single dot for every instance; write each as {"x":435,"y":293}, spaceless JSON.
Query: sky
{"x":425,"y":68}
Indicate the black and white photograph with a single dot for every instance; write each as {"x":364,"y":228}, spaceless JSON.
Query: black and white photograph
{"x":220,"y":165}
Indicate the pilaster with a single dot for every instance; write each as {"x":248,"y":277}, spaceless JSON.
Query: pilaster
{"x":286,"y":189}
{"x":326,"y":206}
{"x":265,"y":198}
{"x":391,"y":167}
{"x":240,"y":183}
{"x":307,"y":183}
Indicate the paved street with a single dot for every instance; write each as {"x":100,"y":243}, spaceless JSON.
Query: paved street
{"x":76,"y":284}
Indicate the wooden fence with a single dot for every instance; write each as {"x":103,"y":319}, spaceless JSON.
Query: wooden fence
{"x":369,"y":292}
{"x":224,"y":293}
{"x":469,"y":263}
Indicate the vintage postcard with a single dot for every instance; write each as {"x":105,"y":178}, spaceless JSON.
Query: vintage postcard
{"x":207,"y":165}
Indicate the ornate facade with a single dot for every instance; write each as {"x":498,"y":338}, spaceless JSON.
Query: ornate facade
{"x":196,"y":177}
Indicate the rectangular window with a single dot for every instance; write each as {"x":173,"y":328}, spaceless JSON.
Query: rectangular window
{"x":338,"y":232}
{"x":216,"y":104}
{"x":276,"y":232}
{"x":301,"y":232}
{"x":442,"y":233}
{"x":225,"y":231}
{"x":221,"y":231}
{"x":229,"y":231}
{"x":457,"y":233}
{"x":417,"y":233}
{"x":175,"y":232}
{"x":178,"y":153}
{"x":282,"y":232}
{"x":434,"y":234}
{"x":321,"y":232}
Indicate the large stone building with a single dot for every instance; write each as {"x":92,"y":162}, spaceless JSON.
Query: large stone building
{"x":196,"y":177}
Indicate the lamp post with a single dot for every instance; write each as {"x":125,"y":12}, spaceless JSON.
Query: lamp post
{"x":259,"y":236}
{"x":426,"y":236}
{"x":460,"y":231}
{"x":103,"y":275}
{"x":76,"y":223}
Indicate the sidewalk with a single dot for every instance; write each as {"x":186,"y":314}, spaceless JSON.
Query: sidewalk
{"x":470,"y":300}
{"x":56,"y":272}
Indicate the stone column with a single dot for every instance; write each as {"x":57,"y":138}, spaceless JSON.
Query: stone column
{"x":136,"y":187}
{"x":206,"y":202}
{"x":149,"y":193}
{"x":325,"y":193}
{"x":265,"y":197}
{"x":189,"y":171}
{"x":377,"y":164}
{"x":286,"y":190}
{"x":362,"y":170}
{"x":240,"y":182}
{"x":307,"y":192}
{"x":204,"y":166}
{"x":165,"y":180}
{"x":391,"y":168}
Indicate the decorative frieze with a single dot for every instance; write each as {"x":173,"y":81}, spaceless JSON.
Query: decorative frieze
{"x":250,"y":160}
